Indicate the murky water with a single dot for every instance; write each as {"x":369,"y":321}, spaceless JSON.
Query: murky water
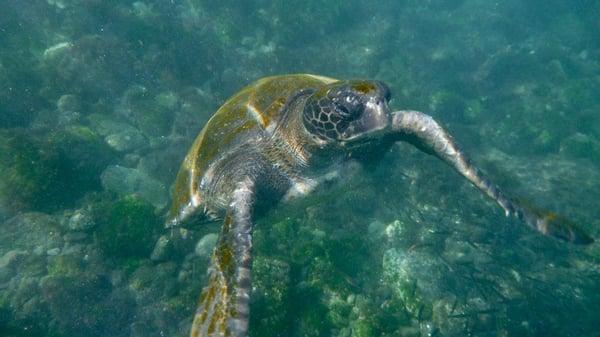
{"x":100,"y":100}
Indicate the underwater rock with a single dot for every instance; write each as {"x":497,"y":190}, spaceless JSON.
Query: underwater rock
{"x":127,"y":227}
{"x":162,"y":163}
{"x":151,"y":281}
{"x":124,"y":181}
{"x":53,"y":251}
{"x":376,"y":230}
{"x":31,"y":232}
{"x":461,"y":252}
{"x":399,"y":233}
{"x":196,"y":107}
{"x":74,"y":247}
{"x":66,"y":265}
{"x":54,"y":119}
{"x":153,"y":115}
{"x":119,"y":135}
{"x":8,"y":264}
{"x":106,"y":125}
{"x":68,"y":103}
{"x":84,"y":304}
{"x":57,"y":50}
{"x":93,"y":66}
{"x":26,"y":169}
{"x":414,"y":278}
{"x":205,"y":245}
{"x":126,"y":140}
{"x":11,"y":258}
{"x":75,"y":237}
{"x":85,"y":155}
{"x":22,"y":301}
{"x":161,"y":249}
{"x":81,"y":220}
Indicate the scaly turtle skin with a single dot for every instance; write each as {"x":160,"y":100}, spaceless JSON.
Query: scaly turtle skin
{"x":276,"y":139}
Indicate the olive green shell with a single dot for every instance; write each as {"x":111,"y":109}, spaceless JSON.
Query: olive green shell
{"x":256,"y":106}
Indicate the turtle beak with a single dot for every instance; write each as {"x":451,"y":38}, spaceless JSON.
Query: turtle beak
{"x":375,"y":120}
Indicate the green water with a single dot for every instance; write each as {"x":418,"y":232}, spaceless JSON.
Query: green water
{"x":100,"y":100}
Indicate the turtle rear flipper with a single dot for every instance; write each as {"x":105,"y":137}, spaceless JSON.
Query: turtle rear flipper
{"x":552,"y":224}
{"x":426,"y":134}
{"x":224,"y":303}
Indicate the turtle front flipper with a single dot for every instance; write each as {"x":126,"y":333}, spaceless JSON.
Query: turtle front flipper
{"x":224,"y":303}
{"x":426,"y":134}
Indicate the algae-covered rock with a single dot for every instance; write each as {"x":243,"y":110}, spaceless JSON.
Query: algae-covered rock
{"x":29,"y":172}
{"x":65,"y":265}
{"x":83,"y":156}
{"x":127,"y":227}
{"x":362,"y":328}
{"x":44,"y":170}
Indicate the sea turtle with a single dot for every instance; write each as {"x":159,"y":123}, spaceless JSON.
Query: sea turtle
{"x":276,"y":139}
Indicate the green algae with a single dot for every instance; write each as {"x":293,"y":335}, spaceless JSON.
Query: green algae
{"x":127,"y":227}
{"x":46,"y":170}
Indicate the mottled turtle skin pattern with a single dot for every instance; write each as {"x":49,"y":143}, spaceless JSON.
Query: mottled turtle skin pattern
{"x":276,"y":139}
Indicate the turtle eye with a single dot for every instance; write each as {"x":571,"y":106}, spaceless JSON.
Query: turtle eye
{"x":349,"y":107}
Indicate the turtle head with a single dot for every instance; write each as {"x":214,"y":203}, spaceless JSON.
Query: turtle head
{"x":347,"y":111}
